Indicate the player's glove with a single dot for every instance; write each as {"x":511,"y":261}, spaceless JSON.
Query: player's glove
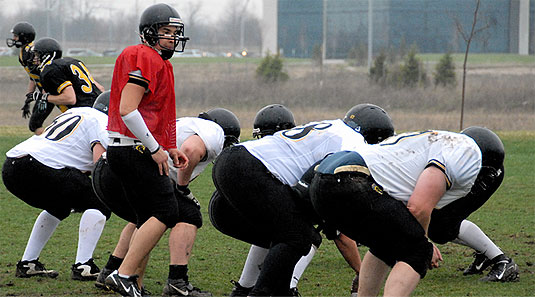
{"x":26,"y":107}
{"x":41,"y":101}
{"x":185,"y":192}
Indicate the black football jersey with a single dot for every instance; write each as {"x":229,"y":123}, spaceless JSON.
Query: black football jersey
{"x":25,"y":59}
{"x":61,"y":73}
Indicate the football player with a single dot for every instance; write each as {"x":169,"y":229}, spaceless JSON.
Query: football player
{"x":66,"y":82}
{"x":59,"y":162}
{"x":201,"y":139}
{"x":255,"y":179}
{"x":390,"y":190}
{"x":23,"y":37}
{"x":142,"y":126}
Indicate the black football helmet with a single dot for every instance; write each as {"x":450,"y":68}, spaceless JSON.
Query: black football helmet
{"x":272,"y":118}
{"x":492,"y":150}
{"x":227,"y":120}
{"x":46,"y":49}
{"x":24,"y":31}
{"x":102,"y":102}
{"x":371,"y":121}
{"x":152,"y":19}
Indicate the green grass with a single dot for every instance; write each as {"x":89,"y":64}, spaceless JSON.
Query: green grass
{"x":508,"y":218}
{"x":483,"y":58}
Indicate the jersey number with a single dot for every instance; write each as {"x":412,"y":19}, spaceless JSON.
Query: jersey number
{"x":62,"y":126}
{"x":85,"y":76}
{"x":300,"y":132}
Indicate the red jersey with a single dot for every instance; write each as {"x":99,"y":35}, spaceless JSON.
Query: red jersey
{"x":157,"y":107}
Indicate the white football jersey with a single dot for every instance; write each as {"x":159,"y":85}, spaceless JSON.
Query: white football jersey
{"x":211,"y":134}
{"x":68,"y":140}
{"x":289,"y":153}
{"x":397,"y":162}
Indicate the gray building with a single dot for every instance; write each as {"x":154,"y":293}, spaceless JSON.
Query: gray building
{"x":295,"y":27}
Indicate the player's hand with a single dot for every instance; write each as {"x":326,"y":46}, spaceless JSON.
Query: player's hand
{"x":185,"y":192}
{"x":26,"y":107}
{"x":180,"y":160}
{"x":437,"y":257}
{"x":41,"y":101}
{"x":160,"y":157}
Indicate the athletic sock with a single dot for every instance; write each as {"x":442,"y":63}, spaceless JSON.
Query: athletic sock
{"x":91,"y":225}
{"x":43,"y":228}
{"x":178,"y":272}
{"x":252,"y":266}
{"x":472,"y":236}
{"x":301,"y":266}
{"x":114,"y":262}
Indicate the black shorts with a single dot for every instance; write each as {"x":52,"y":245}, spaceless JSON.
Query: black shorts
{"x":57,"y":191}
{"x":268,"y":205}
{"x":355,"y":205}
{"x":149,"y":193}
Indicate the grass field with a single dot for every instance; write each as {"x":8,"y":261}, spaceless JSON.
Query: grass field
{"x":508,"y":218}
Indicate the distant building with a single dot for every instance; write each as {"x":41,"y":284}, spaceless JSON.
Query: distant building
{"x":295,"y":27}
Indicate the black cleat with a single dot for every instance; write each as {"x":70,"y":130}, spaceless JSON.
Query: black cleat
{"x":31,"y":268}
{"x":101,"y":278}
{"x":294,"y":292}
{"x":355,"y":286}
{"x":87,"y":271}
{"x":481,"y":262}
{"x":181,"y":287}
{"x":122,"y":285}
{"x":504,"y":270}
{"x":239,"y":290}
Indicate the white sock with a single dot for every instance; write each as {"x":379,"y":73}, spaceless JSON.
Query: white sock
{"x":301,"y":266}
{"x":471,"y":235}
{"x":43,"y":228}
{"x":91,"y":226}
{"x":253,"y":265}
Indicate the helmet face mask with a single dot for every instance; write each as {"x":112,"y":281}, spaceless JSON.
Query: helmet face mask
{"x":102,"y":102}
{"x":226,"y":120}
{"x":153,"y":19}
{"x":272,"y":118}
{"x":44,"y":51}
{"x":23,"y":33}
{"x":371,"y":121}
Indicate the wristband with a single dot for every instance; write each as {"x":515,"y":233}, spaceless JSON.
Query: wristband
{"x":135,"y":123}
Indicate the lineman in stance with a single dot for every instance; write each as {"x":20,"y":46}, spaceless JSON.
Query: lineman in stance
{"x":255,"y":179}
{"x":58,"y":162}
{"x":383,"y":196}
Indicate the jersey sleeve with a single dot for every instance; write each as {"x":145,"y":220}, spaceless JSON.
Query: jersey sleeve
{"x":460,"y":163}
{"x":97,"y":132}
{"x":211,"y":134}
{"x":148,"y":63}
{"x":53,"y":80}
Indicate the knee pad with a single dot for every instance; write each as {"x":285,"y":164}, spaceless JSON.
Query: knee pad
{"x":419,"y":257}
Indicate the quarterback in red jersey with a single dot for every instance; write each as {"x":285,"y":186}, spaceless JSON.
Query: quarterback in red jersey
{"x":143,"y":134}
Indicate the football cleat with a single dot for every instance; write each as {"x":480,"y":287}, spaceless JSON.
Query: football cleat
{"x":126,"y":286}
{"x":504,"y":270}
{"x":33,"y":268}
{"x":101,"y":278}
{"x":87,"y":271}
{"x":239,"y":290}
{"x":294,"y":292}
{"x":181,"y":287}
{"x":481,"y":262}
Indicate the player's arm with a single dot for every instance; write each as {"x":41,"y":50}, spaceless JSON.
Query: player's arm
{"x":98,"y":150}
{"x":31,"y":86}
{"x":99,"y":86}
{"x":430,"y":187}
{"x":66,"y":97}
{"x":195,"y":150}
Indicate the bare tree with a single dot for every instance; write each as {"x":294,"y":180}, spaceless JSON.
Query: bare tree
{"x":468,"y":39}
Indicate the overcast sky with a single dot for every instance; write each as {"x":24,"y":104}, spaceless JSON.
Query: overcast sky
{"x":211,"y":10}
